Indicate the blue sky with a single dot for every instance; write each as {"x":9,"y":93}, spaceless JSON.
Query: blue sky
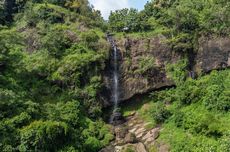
{"x":105,"y":6}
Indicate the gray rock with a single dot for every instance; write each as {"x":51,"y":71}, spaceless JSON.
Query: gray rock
{"x":108,"y":149}
{"x":130,"y":138}
{"x":212,"y":53}
{"x":140,"y":147}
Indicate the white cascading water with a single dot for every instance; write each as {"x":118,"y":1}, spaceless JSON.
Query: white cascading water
{"x":115,"y":79}
{"x":115,"y":91}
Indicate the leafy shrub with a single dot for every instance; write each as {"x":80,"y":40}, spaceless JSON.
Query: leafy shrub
{"x":43,"y":136}
{"x":224,"y":143}
{"x":177,"y":71}
{"x":56,"y":42}
{"x":74,"y":66}
{"x":188,"y":92}
{"x":9,"y":100}
{"x":64,"y":112}
{"x":160,"y":113}
{"x":216,"y":95}
{"x":183,"y":42}
{"x":36,"y":13}
{"x":50,"y":76}
{"x":97,"y":135}
{"x":90,"y":39}
{"x":145,"y":64}
{"x":40,"y":64}
{"x":199,"y":116}
{"x":92,"y":144}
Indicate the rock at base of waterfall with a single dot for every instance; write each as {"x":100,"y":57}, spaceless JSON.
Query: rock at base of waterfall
{"x":120,"y":133}
{"x":117,"y":118}
{"x":138,"y":147}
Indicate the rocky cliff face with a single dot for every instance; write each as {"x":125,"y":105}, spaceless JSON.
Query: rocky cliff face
{"x":213,"y":53}
{"x":143,"y":62}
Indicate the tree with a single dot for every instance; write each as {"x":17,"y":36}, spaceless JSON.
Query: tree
{"x":43,"y":136}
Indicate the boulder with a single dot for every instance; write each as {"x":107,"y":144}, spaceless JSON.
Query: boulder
{"x":117,"y":118}
{"x":140,"y":147}
{"x":130,"y":138}
{"x":120,"y":133}
{"x":109,"y":148}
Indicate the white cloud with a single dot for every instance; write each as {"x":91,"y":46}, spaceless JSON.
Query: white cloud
{"x":105,"y":6}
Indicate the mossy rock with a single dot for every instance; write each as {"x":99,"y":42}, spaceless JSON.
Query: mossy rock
{"x":128,"y":148}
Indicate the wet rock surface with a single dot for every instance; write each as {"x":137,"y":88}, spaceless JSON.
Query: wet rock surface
{"x":117,"y":118}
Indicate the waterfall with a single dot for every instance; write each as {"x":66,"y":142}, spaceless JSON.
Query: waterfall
{"x":116,"y":116}
{"x":115,"y":79}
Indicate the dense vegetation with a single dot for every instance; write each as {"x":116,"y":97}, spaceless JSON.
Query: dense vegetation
{"x":53,"y":52}
{"x":194,"y":115}
{"x":181,"y":21}
{"x":186,"y":16}
{"x":50,"y":76}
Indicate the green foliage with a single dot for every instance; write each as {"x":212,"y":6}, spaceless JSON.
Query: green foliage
{"x":64,"y":112}
{"x":11,"y":46}
{"x":92,"y":144}
{"x":182,"y":42}
{"x":129,"y":19}
{"x":129,"y":148}
{"x":211,"y":90}
{"x":43,"y":136}
{"x":90,"y":38}
{"x":199,"y":116}
{"x":145,"y":64}
{"x":160,"y":113}
{"x":97,"y":136}
{"x":182,"y":22}
{"x":216,"y":95}
{"x":224,"y":142}
{"x":75,"y":65}
{"x":194,"y":116}
{"x":207,"y":124}
{"x":177,"y":71}
{"x":51,"y":59}
{"x":48,"y":13}
{"x":50,"y":77}
{"x":1,"y":12}
{"x":180,"y":141}
{"x":56,"y":42}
